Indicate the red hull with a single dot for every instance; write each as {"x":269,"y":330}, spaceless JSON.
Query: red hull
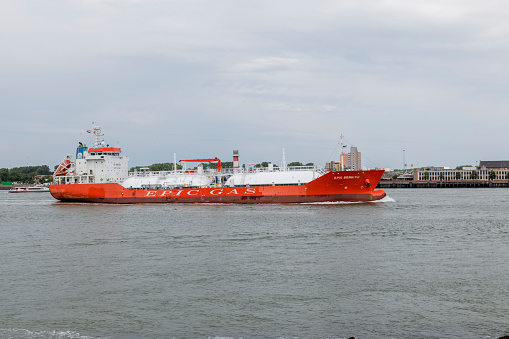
{"x":333,"y":186}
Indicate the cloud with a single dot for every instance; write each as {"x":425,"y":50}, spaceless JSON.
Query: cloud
{"x":208,"y":75}
{"x":265,"y":64}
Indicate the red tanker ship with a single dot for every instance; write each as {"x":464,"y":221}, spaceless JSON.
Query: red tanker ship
{"x":100,"y":174}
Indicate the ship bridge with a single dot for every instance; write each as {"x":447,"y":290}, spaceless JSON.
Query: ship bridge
{"x":98,"y":164}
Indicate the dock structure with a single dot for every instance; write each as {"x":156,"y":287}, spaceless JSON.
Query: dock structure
{"x":442,"y":184}
{"x":487,"y":174}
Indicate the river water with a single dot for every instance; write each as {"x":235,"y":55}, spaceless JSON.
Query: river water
{"x":422,"y":263}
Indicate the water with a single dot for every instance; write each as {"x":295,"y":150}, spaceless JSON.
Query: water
{"x":423,"y":263}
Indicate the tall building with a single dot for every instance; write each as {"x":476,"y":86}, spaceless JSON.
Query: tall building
{"x":351,"y":161}
{"x":354,"y":159}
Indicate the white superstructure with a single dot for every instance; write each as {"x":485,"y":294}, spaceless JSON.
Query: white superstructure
{"x":98,"y":164}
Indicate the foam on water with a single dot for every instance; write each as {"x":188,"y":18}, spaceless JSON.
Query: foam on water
{"x":385,"y":199}
{"x":27,"y":334}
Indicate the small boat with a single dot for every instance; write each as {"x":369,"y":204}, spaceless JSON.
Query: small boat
{"x":29,"y":189}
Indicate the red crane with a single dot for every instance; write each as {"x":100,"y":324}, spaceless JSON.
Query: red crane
{"x":207,"y":160}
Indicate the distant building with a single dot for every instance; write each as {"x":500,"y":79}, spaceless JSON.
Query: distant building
{"x":390,"y":175}
{"x":351,"y":161}
{"x":433,"y":168}
{"x":494,"y":164}
{"x":332,"y":166}
{"x":354,"y":159}
{"x":500,"y":168}
{"x":436,"y":174}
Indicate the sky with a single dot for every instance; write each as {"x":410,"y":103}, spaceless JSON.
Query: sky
{"x":425,"y":82}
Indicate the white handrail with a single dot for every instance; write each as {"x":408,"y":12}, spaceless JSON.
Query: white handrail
{"x":226,"y":171}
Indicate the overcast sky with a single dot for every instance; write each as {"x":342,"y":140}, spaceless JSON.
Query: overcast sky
{"x":201,"y":78}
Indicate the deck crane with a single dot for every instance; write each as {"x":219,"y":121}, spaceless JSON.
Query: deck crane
{"x":206,"y":160}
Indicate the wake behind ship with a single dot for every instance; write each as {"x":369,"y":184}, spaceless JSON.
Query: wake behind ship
{"x":100,"y":174}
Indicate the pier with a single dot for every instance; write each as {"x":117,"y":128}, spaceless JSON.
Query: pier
{"x":442,"y":184}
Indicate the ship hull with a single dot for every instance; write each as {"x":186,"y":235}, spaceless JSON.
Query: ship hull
{"x":333,"y":186}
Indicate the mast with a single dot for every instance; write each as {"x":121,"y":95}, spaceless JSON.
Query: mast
{"x":175,"y":163}
{"x":98,"y":135}
{"x":341,"y":165}
{"x":404,"y":163}
{"x":283,"y":161}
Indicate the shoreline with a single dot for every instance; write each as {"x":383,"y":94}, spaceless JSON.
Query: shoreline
{"x":444,"y":184}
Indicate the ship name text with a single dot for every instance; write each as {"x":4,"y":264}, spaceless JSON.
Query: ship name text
{"x":200,"y":192}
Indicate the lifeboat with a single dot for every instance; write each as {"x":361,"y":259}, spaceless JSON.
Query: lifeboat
{"x":64,"y":167}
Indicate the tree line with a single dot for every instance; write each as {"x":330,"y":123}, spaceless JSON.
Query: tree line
{"x":25,"y":174}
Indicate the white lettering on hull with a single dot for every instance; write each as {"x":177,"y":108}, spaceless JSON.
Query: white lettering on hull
{"x":196,"y":192}
{"x":193,"y":192}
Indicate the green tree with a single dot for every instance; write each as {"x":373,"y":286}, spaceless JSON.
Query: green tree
{"x":310,"y":164}
{"x":25,"y":169}
{"x":458,"y":175}
{"x":426,"y":175}
{"x":441,"y":176}
{"x":295,"y":163}
{"x":43,"y":170}
{"x":507,"y":175}
{"x":161,"y":167}
{"x":263,"y":164}
{"x":473,"y":175}
{"x":25,"y":174}
{"x":157,"y":167}
{"x":4,"y":174}
{"x":31,"y":178}
{"x":227,"y":164}
{"x":17,"y":176}
{"x":492,"y":175}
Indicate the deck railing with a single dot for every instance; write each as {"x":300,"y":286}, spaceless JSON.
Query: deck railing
{"x":226,"y":171}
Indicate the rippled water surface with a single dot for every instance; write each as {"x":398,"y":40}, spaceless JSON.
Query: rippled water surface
{"x":423,"y":263}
